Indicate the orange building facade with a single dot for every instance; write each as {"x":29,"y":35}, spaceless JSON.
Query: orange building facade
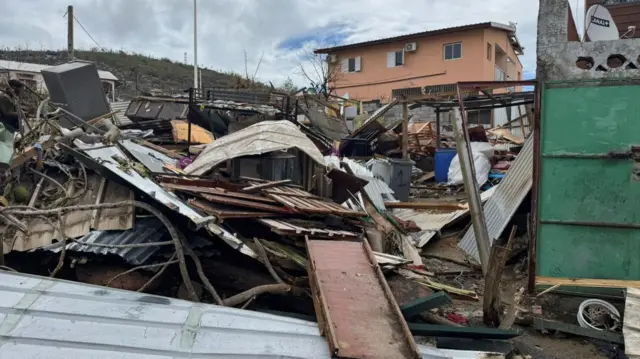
{"x":430,"y":61}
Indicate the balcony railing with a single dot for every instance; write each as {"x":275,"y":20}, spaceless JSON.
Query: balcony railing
{"x":500,"y":75}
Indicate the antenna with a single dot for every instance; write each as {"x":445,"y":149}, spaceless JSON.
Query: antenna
{"x":185,"y":57}
{"x":599,"y":25}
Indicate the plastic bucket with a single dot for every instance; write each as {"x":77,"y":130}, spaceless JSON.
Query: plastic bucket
{"x":443,"y":159}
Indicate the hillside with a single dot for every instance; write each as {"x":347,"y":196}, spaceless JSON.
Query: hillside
{"x":138,"y":74}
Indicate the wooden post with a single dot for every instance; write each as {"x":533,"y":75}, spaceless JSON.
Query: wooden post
{"x":405,"y":129}
{"x":70,"y":19}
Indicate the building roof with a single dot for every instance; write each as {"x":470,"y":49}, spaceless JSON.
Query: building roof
{"x":29,"y":67}
{"x":482,"y":25}
{"x":57,"y":319}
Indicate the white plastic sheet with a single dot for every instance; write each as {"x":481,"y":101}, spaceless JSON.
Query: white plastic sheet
{"x":481,"y":152}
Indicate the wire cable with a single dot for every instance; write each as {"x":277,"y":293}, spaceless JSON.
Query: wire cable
{"x":87,"y":32}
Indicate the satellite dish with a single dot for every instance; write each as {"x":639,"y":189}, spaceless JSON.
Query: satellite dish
{"x":599,"y":24}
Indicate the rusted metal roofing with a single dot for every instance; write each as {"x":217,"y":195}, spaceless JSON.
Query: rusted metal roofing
{"x":303,"y":201}
{"x":478,"y":26}
{"x":57,"y":319}
{"x":508,"y":196}
{"x":222,"y":212}
{"x":354,"y":306}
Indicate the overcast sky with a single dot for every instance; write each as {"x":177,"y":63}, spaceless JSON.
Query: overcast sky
{"x":283,"y":30}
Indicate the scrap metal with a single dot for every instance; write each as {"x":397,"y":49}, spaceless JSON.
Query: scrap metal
{"x":508,"y":196}
{"x":257,"y":139}
{"x":65,"y":318}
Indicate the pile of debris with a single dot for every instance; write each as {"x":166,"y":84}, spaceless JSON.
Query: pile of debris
{"x":259,"y":208}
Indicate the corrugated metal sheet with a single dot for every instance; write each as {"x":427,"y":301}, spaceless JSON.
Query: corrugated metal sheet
{"x":55,"y":319}
{"x":105,"y":155}
{"x":149,"y":157}
{"x":122,"y":107}
{"x":340,"y":273}
{"x":507,"y":198}
{"x":630,"y":327}
{"x":431,"y":222}
{"x":146,"y":230}
{"x":257,"y":139}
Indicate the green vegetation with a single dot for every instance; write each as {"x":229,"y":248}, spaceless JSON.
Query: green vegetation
{"x":137,"y":73}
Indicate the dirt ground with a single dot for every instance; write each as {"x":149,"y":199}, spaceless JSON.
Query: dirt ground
{"x":536,"y":344}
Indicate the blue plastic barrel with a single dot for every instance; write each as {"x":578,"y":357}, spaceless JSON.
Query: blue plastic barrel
{"x":443,"y":159}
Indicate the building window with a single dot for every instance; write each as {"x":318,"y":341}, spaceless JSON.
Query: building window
{"x":479,"y":117}
{"x":489,"y":51}
{"x":453,"y":51}
{"x":351,"y":64}
{"x":395,"y":58}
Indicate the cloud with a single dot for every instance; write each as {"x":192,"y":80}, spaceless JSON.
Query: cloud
{"x":279,"y":30}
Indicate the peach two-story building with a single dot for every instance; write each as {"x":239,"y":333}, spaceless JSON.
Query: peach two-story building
{"x":429,"y":61}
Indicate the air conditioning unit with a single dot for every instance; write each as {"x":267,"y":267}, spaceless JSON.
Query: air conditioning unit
{"x":332,"y":59}
{"x":410,"y":47}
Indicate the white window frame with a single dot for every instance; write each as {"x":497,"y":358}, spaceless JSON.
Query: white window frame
{"x":391,"y":59}
{"x":444,"y":51}
{"x":357,"y":64}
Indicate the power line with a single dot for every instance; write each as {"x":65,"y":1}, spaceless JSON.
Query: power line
{"x":87,"y":32}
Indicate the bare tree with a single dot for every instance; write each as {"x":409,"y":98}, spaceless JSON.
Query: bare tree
{"x":288,"y":86}
{"x":321,"y":74}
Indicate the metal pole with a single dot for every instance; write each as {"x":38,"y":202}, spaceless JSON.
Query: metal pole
{"x":437,"y":128}
{"x":405,"y":130}
{"x":461,"y":135}
{"x":195,"y":45}
{"x":189,"y":114}
{"x":70,"y":19}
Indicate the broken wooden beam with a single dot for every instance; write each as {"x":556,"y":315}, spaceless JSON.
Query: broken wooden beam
{"x":433,"y":330}
{"x":427,"y":205}
{"x":423,"y":304}
{"x":261,"y":186}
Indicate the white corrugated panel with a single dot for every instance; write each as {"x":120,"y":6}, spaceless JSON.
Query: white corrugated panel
{"x":57,"y":319}
{"x":121,"y":107}
{"x":432,"y":222}
{"x":507,"y":198}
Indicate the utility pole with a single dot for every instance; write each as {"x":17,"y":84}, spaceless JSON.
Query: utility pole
{"x":195,"y":45}
{"x":70,"y":19}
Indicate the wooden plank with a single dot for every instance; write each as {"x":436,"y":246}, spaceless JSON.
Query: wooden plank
{"x":244,"y":203}
{"x":226,"y":213}
{"x":427,"y":205}
{"x":341,"y":274}
{"x":266,"y":185}
{"x":583,"y":282}
{"x":217,"y":191}
{"x":423,"y":304}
